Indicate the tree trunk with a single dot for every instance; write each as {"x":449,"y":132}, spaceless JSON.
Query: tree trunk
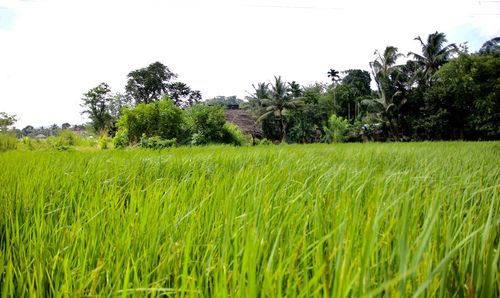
{"x":282,"y":123}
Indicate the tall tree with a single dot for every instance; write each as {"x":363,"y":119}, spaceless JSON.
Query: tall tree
{"x":333,"y":75}
{"x":359,"y":80}
{"x":358,"y":83}
{"x":435,"y":53}
{"x":280,"y":100}
{"x":390,"y":100}
{"x":182,"y":95}
{"x":149,"y":84}
{"x":295,"y":89}
{"x":97,"y":103}
{"x":491,"y":47}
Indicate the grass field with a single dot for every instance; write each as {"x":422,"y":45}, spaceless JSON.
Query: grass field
{"x":413,"y":219}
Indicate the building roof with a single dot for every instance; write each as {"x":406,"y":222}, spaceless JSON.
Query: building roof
{"x":245,"y":122}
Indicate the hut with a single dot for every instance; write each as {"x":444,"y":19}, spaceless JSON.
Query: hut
{"x":244,"y":121}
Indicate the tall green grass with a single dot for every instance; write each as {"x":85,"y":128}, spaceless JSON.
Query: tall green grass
{"x":7,"y":141}
{"x":357,"y":220}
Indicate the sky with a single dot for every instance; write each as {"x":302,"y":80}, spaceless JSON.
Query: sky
{"x":53,"y":51}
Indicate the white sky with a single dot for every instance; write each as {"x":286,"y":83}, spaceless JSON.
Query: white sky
{"x":52,"y":51}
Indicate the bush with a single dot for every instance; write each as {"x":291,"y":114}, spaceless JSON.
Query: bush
{"x":336,"y":129}
{"x":161,"y":118}
{"x":7,"y":141}
{"x":121,"y":139}
{"x":64,"y":140}
{"x":206,"y":124}
{"x":68,"y":138}
{"x":233,"y":135}
{"x":157,"y":143}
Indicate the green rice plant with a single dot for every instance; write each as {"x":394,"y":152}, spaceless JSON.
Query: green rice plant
{"x":104,"y":141}
{"x":352,"y":220}
{"x":7,"y":141}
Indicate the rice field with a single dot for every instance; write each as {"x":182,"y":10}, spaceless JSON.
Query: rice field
{"x":349,"y":220}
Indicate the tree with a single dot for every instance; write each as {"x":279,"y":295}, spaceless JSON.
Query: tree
{"x":463,"y":102}
{"x":28,"y":130}
{"x":359,"y":80}
{"x":149,"y":84}
{"x":54,"y":129}
{"x":280,"y":100}
{"x":224,"y":101}
{"x":304,"y":122}
{"x":194,"y":97}
{"x":354,"y":88}
{"x":389,"y":101}
{"x":491,"y":47}
{"x":65,"y":126}
{"x":182,"y":95}
{"x":295,"y":89}
{"x":435,"y":53}
{"x":333,"y":75}
{"x":6,"y":120}
{"x":97,"y":106}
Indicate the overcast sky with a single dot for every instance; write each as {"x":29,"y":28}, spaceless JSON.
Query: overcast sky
{"x":52,"y":51}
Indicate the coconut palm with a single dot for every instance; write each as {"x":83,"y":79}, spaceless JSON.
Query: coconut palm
{"x":435,"y":53}
{"x":279,"y":100}
{"x":390,"y":100}
{"x":261,"y":90}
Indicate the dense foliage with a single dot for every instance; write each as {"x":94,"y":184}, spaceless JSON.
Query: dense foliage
{"x":161,"y":124}
{"x":442,"y":93}
{"x":160,"y":118}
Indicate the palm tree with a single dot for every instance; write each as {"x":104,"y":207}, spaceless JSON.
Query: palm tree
{"x":435,"y":53}
{"x":279,"y":101}
{"x":384,"y":70}
{"x":334,"y":75}
{"x":261,"y":91}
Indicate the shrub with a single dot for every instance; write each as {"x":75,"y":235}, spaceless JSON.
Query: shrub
{"x":64,"y":140}
{"x":157,"y":143}
{"x":7,"y":141}
{"x":206,"y":124}
{"x":336,"y":129}
{"x":161,"y":118}
{"x":121,"y":139}
{"x":233,"y":135}
{"x":68,"y":138}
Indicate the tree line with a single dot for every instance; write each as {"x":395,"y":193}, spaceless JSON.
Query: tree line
{"x":443,"y":92}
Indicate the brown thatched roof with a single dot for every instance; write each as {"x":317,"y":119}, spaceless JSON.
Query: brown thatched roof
{"x":245,"y":122}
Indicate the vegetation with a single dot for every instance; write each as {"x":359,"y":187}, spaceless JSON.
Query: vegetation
{"x":358,"y":220}
{"x":151,"y":83}
{"x":160,"y":118}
